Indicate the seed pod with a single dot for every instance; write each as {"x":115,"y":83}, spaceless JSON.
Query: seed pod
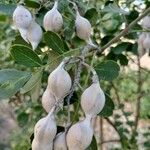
{"x":80,"y":135}
{"x":83,"y":28}
{"x":53,"y":20}
{"x":48,"y":100}
{"x":36,"y":145}
{"x":59,"y":82}
{"x":22,"y":19}
{"x":60,"y":141}
{"x":141,"y":49}
{"x":146,"y":22}
{"x":34,"y":34}
{"x":93,"y":100}
{"x":45,"y":129}
{"x":146,"y":42}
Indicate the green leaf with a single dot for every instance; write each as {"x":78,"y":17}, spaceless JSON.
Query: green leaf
{"x":32,"y":82}
{"x":25,"y":56}
{"x":93,"y":145}
{"x":32,"y":3}
{"x":54,"y":42}
{"x":112,"y":8}
{"x":120,"y":48}
{"x":108,"y":70}
{"x":7,"y":9}
{"x":91,"y":15}
{"x":11,"y":81}
{"x":108,"y":108}
{"x":23,"y":118}
{"x":123,"y":60}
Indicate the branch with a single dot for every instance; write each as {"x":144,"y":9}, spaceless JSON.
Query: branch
{"x":125,"y":31}
{"x":109,"y":141}
{"x":112,"y":124}
{"x":139,"y":93}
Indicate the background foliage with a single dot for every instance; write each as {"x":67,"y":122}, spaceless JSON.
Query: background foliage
{"x":23,"y":74}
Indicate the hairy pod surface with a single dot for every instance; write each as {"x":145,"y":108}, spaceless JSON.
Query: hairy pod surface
{"x":22,"y":18}
{"x":83,"y":27}
{"x":93,"y":100}
{"x":80,"y":135}
{"x":48,"y":100}
{"x":146,"y":42}
{"x":45,"y":129}
{"x":36,"y":145}
{"x":146,"y":22}
{"x":60,"y":141}
{"x":53,"y":20}
{"x":59,"y":82}
{"x":34,"y":34}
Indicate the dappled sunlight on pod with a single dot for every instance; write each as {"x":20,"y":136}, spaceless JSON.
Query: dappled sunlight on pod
{"x":53,"y":20}
{"x":60,"y":82}
{"x":45,"y":129}
{"x":22,"y":18}
{"x":60,"y":141}
{"x":83,"y":28}
{"x":39,"y":146}
{"x":80,"y":135}
{"x":146,"y":42}
{"x":141,"y":50}
{"x":146,"y":22}
{"x":48,"y":100}
{"x":34,"y":34}
{"x":93,"y":100}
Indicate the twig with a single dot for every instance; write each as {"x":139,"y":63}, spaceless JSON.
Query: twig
{"x":112,"y":124}
{"x":139,"y":93}
{"x":109,"y":141}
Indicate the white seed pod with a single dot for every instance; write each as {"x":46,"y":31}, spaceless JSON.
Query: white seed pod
{"x":22,"y":18}
{"x":146,"y":22}
{"x":53,"y":20}
{"x":59,"y":82}
{"x":141,"y":49}
{"x":45,"y":129}
{"x":80,"y":135}
{"x":48,"y":100}
{"x":146,"y":42}
{"x":83,"y":28}
{"x":34,"y":34}
{"x":36,"y":145}
{"x":93,"y":100}
{"x":60,"y":141}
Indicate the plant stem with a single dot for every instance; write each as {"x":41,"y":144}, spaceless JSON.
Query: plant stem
{"x":139,"y":93}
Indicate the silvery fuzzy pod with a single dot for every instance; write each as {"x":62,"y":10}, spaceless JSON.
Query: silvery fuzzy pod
{"x":80,"y":135}
{"x":22,"y":18}
{"x":59,"y":82}
{"x":53,"y":20}
{"x":34,"y":34}
{"x":93,"y":100}
{"x":36,"y":145}
{"x":83,"y":27}
{"x":146,"y":22}
{"x":141,"y":49}
{"x":146,"y":42}
{"x":45,"y":129}
{"x":48,"y":100}
{"x":60,"y":141}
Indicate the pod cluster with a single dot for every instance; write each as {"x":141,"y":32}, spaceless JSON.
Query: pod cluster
{"x":31,"y":31}
{"x":79,"y":135}
{"x":45,"y":138}
{"x":144,"y":38}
